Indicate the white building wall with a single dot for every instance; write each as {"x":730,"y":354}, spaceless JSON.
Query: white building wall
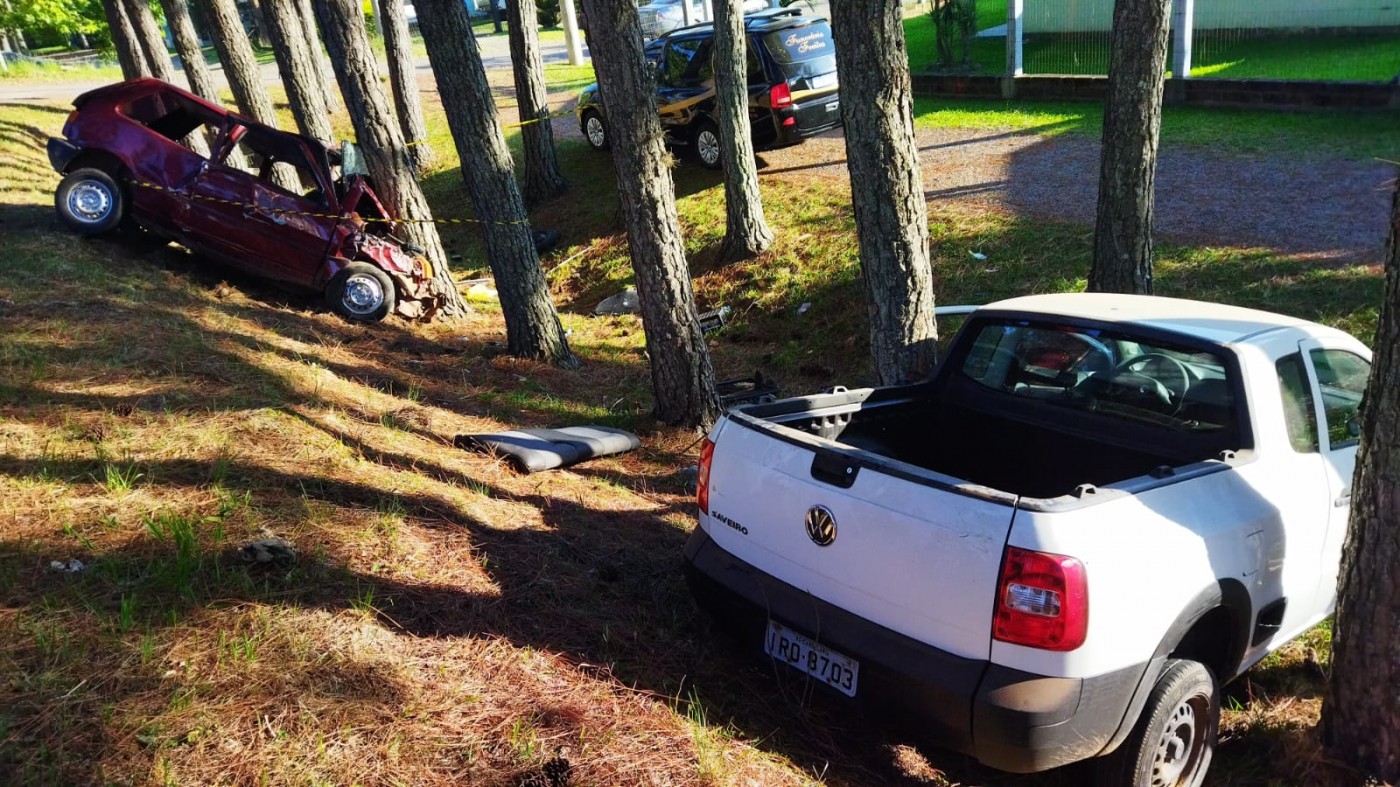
{"x":1069,"y":16}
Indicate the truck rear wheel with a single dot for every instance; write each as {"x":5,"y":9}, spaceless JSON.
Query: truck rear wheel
{"x":1172,"y":743}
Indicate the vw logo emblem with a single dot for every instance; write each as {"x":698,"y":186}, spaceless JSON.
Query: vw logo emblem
{"x":821,"y":526}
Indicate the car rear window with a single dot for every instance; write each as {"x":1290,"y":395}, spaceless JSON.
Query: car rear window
{"x":803,"y":51}
{"x":1120,"y":376}
{"x":172,"y":116}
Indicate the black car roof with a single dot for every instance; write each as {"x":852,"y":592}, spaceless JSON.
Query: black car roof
{"x":765,"y":21}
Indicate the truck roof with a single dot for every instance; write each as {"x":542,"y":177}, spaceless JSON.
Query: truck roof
{"x":1214,"y":322}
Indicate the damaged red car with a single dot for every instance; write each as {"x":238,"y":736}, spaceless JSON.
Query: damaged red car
{"x":277,"y":204}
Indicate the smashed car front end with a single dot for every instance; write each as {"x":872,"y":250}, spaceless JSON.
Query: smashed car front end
{"x":419,"y":294}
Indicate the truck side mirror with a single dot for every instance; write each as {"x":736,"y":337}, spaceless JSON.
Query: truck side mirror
{"x":1354,"y":426}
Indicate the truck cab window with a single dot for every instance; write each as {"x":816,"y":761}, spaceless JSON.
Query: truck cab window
{"x":1298,"y":413}
{"x":1341,"y":381}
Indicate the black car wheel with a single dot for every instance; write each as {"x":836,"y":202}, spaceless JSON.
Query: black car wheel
{"x":362,"y":293}
{"x":595,"y":130}
{"x":1172,"y":743}
{"x":90,"y":201}
{"x":707,"y":148}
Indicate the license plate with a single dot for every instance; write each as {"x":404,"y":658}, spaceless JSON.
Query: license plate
{"x":837,"y":670}
{"x":825,"y":80}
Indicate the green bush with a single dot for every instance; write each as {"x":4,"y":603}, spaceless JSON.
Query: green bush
{"x":549,"y":12}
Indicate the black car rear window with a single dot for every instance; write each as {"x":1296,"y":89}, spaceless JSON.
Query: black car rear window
{"x":803,"y":51}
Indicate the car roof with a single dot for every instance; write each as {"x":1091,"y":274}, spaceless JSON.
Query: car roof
{"x":135,"y":88}
{"x":765,"y":21}
{"x":1213,"y":322}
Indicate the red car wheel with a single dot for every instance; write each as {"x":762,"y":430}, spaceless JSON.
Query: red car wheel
{"x":362,"y":293}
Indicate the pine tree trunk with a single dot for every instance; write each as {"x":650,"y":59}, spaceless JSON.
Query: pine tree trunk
{"x":1132,"y":119}
{"x":682,"y":378}
{"x":532,"y":325}
{"x":378,"y":136}
{"x":151,"y":41}
{"x":328,"y":90}
{"x":1361,"y":717}
{"x":298,"y":72}
{"x":746,"y":231}
{"x":398,"y":48}
{"x":129,"y":54}
{"x":239,"y":62}
{"x":543,"y":180}
{"x":197,"y":73}
{"x":887,"y":189}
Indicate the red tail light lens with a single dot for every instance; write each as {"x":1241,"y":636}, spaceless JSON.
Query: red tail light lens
{"x":780,"y":96}
{"x":1042,"y":601}
{"x":702,"y":482}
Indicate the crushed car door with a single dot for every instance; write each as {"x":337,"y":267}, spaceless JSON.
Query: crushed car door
{"x":263,"y":205}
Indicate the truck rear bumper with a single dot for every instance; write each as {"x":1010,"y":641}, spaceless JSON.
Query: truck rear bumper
{"x":1007,"y":719}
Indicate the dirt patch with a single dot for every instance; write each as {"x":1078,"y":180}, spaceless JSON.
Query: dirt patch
{"x":1333,"y":209}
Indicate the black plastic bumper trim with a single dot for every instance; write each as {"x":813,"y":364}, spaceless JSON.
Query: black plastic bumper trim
{"x":1007,"y":719}
{"x":61,"y":153}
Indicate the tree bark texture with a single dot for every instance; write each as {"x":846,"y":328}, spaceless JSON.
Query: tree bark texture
{"x":746,"y":231}
{"x":151,"y":41}
{"x":239,"y":62}
{"x":399,"y":50}
{"x":329,"y":92}
{"x":129,"y":54}
{"x":378,"y":136}
{"x":543,"y":180}
{"x":887,"y":189}
{"x":1132,"y":119}
{"x":197,"y":73}
{"x":532,"y":325}
{"x":294,"y":63}
{"x":682,"y":378}
{"x":1361,"y":717}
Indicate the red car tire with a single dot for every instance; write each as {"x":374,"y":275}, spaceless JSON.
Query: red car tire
{"x":361,"y":292}
{"x":90,"y":201}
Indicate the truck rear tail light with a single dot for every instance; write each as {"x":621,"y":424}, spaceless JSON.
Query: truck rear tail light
{"x":1042,"y":601}
{"x":780,"y":96}
{"x":702,"y":480}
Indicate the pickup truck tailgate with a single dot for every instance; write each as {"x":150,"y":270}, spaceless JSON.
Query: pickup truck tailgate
{"x":909,"y":553}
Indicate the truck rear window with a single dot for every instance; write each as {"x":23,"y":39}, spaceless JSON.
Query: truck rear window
{"x":804,"y":51}
{"x":1117,"y":375}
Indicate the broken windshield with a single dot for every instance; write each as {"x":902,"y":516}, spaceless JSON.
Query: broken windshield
{"x":352,"y":161}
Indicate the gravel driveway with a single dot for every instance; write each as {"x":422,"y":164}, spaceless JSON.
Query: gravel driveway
{"x":1332,"y":209}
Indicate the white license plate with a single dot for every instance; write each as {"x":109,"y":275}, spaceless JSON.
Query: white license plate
{"x":837,"y":670}
{"x":825,"y":80}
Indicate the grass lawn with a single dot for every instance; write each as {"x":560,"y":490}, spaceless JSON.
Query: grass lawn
{"x":1351,"y":56}
{"x":1347,"y":134}
{"x":44,"y":72}
{"x":448,"y":621}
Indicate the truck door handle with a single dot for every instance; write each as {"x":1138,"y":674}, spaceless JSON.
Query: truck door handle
{"x":1342,"y":501}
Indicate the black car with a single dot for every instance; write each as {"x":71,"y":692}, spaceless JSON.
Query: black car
{"x":792,"y":85}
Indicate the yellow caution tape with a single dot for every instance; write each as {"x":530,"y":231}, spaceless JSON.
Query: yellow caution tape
{"x":292,"y":212}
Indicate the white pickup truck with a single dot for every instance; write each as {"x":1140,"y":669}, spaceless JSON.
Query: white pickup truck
{"x":1097,"y":511}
